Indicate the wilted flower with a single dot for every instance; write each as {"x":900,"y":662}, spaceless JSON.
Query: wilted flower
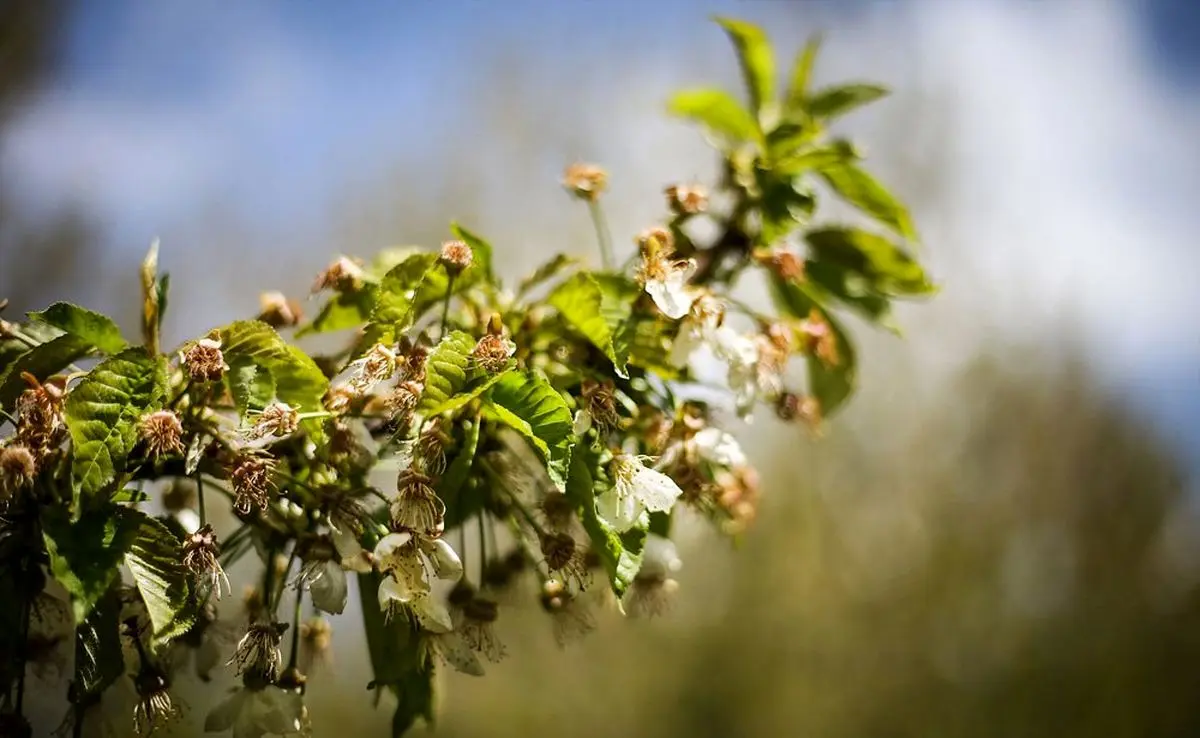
{"x":204,"y":643}
{"x":257,"y":709}
{"x":163,"y":433}
{"x":278,"y":311}
{"x":570,"y":618}
{"x":493,"y":351}
{"x":204,"y":361}
{"x":417,"y":506}
{"x":819,"y":338}
{"x":791,"y":406}
{"x":636,"y":489}
{"x":40,"y":425}
{"x":478,"y":628}
{"x":783,"y":262}
{"x":342,"y":275}
{"x":456,"y":257}
{"x":430,"y":448}
{"x":664,"y":279}
{"x":598,"y":407}
{"x":686,"y":199}
{"x":653,"y":588}
{"x":377,"y":365}
{"x":566,"y":559}
{"x":250,"y":476}
{"x":408,"y":561}
{"x":339,"y":398}
{"x":155,"y":708}
{"x":322,"y":575}
{"x":276,"y":419}
{"x":201,"y":558}
{"x":557,"y":511}
{"x":17,"y":469}
{"x":585,"y":181}
{"x":258,"y":654}
{"x":316,"y":636}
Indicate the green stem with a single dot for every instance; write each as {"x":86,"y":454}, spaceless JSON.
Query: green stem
{"x":602,"y":235}
{"x":25,"y":613}
{"x":446,"y":304}
{"x":296,"y":629}
{"x":269,"y":582}
{"x":5,"y":414}
{"x":482,"y":545}
{"x":200,"y":497}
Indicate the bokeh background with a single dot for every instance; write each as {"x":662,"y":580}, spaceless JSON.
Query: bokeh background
{"x":1000,"y":537}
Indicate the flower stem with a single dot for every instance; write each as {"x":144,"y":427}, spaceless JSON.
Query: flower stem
{"x":446,"y":304}
{"x":200,"y":497}
{"x":26,"y":609}
{"x":482,"y":545}
{"x":602,"y":235}
{"x":296,"y":630}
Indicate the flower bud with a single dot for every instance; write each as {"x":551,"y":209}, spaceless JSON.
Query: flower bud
{"x":456,"y":257}
{"x":585,"y":181}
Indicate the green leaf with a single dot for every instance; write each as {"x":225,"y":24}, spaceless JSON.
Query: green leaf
{"x":398,"y":305}
{"x":864,"y":192}
{"x":102,"y":414}
{"x":621,"y":553}
{"x":717,"y":111}
{"x":888,"y":268}
{"x":528,"y":404}
{"x":647,"y":340}
{"x":446,"y":371}
{"x":387,"y":259}
{"x":597,"y":306}
{"x":832,"y":154}
{"x":153,"y":559}
{"x":545,"y":272}
{"x":756,"y":60}
{"x":41,"y":361}
{"x":343,"y":310}
{"x":163,"y":292}
{"x":398,"y":660}
{"x":834,"y":101}
{"x":472,"y":389}
{"x":802,"y":70}
{"x":481,"y":266}
{"x":85,"y":555}
{"x":99,"y":660}
{"x":783,"y":206}
{"x":831,"y":385}
{"x":11,"y":348}
{"x":450,"y":487}
{"x":251,"y":386}
{"x":98,"y":330}
{"x":298,"y":380}
{"x":851,"y":290}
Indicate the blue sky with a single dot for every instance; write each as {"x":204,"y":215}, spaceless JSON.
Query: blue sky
{"x":1070,"y":178}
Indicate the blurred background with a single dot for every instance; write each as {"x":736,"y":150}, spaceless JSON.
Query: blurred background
{"x":1000,"y":537}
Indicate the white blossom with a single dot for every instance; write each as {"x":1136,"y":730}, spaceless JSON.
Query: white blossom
{"x":718,"y":447}
{"x":636,"y":489}
{"x":408,"y":562}
{"x":670,"y":290}
{"x":253,"y":713}
{"x":325,"y":580}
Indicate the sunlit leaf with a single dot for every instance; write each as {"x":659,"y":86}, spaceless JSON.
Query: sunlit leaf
{"x":717,"y":111}
{"x":102,"y":414}
{"x":546,"y":272}
{"x":298,"y":380}
{"x":398,"y":303}
{"x":41,"y":361}
{"x":784,"y":206}
{"x":888,"y":268}
{"x":831,"y":385}
{"x":865,"y":192}
{"x":597,"y":306}
{"x":343,"y":310}
{"x":250,"y":385}
{"x":756,"y":60}
{"x":835,"y":101}
{"x":153,"y":559}
{"x":98,"y":330}
{"x":802,"y":71}
{"x":528,"y":404}
{"x":446,"y":372}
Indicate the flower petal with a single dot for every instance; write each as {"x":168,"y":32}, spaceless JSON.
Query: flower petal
{"x":446,"y":564}
{"x":432,"y":614}
{"x":621,"y":510}
{"x":328,"y":588}
{"x":386,"y":549}
{"x":583,"y":422}
{"x":655,"y":490}
{"x":719,"y":447}
{"x":393,"y":589}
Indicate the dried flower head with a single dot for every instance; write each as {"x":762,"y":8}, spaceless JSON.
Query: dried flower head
{"x":277,"y":419}
{"x":417,"y":506}
{"x":492,"y":353}
{"x":163,"y":433}
{"x":687,"y":199}
{"x":343,"y":275}
{"x":557,"y":511}
{"x":566,"y":560}
{"x":412,"y":363}
{"x":204,"y":361}
{"x":402,"y":402}
{"x":17,"y":469}
{"x":250,"y":475}
{"x":783,"y":262}
{"x":258,"y":654}
{"x":600,"y":402}
{"x":806,"y":409}
{"x":155,"y":708}
{"x":40,"y":423}
{"x":585,"y":181}
{"x":279,"y":311}
{"x":478,"y":628}
{"x":430,"y":448}
{"x":456,"y":257}
{"x":819,"y":338}
{"x":377,"y":365}
{"x":201,"y":557}
{"x":339,"y":399}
